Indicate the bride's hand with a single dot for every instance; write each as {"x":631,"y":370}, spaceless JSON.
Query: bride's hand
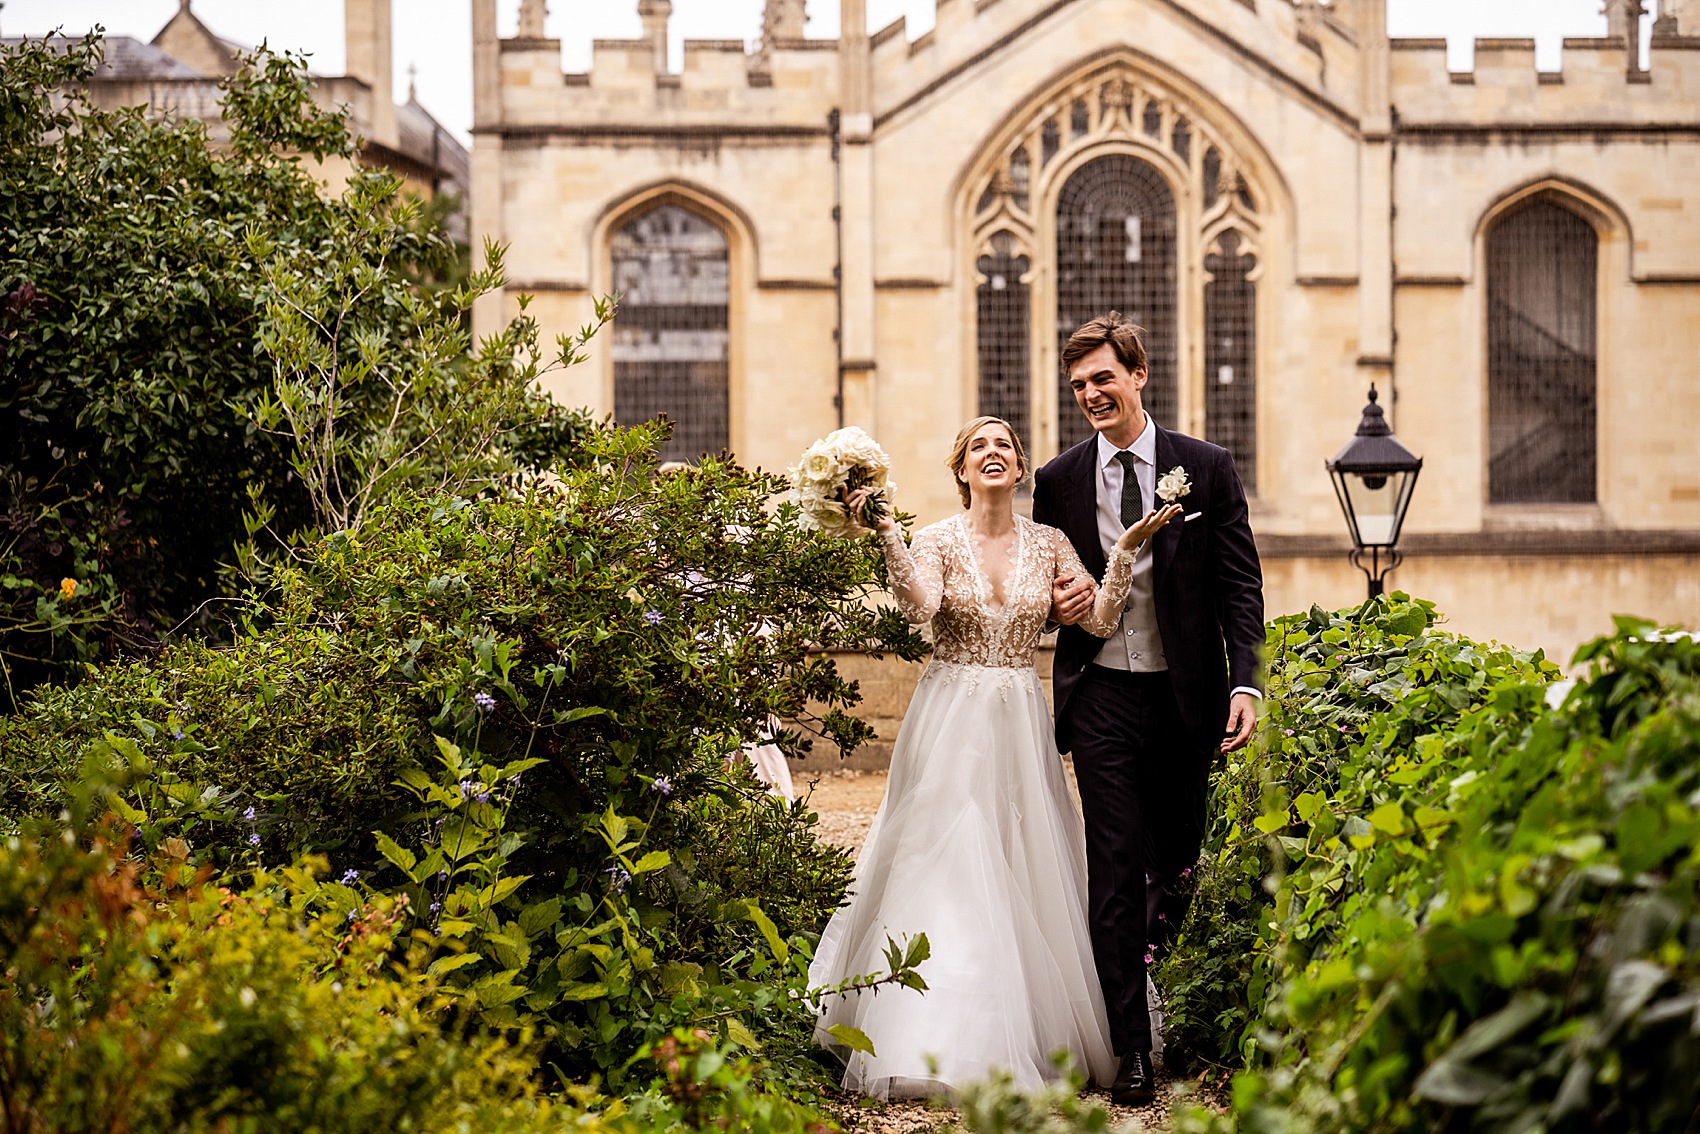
{"x":856,"y":503}
{"x":1149,"y":525}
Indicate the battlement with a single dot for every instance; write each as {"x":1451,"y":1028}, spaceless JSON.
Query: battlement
{"x":1598,"y":84}
{"x":721,"y":86}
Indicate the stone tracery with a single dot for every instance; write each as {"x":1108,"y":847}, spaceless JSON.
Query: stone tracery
{"x":1207,"y":199}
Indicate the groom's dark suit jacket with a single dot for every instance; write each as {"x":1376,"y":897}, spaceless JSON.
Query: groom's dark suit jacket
{"x":1207,"y":582}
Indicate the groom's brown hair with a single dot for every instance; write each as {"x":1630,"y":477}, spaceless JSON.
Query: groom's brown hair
{"x":1126,"y":339}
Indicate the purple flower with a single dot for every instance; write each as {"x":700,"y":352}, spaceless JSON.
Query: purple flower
{"x":1288,"y":731}
{"x":1150,"y":957}
{"x":436,"y":906}
{"x":248,"y":814}
{"x":1342,"y":728}
{"x":177,"y":734}
{"x":467,"y":787}
{"x":618,"y":876}
{"x":1187,"y":873}
{"x":484,"y":701}
{"x":662,"y":784}
{"x":1162,"y":917}
{"x":482,"y":797}
{"x":442,"y":876}
{"x":254,"y":839}
{"x":350,"y":877}
{"x":135,"y":832}
{"x":653,"y":617}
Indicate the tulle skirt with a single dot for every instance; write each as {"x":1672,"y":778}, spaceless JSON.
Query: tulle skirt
{"x":978,"y":844}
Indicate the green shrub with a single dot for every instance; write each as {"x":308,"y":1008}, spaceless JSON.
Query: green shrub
{"x":131,"y":1008}
{"x":1483,"y":909}
{"x":608,"y":637}
{"x":154,"y":292}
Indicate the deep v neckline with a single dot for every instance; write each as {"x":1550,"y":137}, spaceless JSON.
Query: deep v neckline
{"x":983,"y":581}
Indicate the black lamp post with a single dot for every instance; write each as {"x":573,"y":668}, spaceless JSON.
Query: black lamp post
{"x":1373,"y":477}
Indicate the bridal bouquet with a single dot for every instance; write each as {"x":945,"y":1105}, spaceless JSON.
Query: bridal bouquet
{"x":845,"y":459}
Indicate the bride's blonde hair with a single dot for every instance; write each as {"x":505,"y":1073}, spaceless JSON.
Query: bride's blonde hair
{"x":958,"y":461}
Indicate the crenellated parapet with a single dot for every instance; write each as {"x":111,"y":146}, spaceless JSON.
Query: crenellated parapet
{"x":1598,"y":84}
{"x":721,"y":84}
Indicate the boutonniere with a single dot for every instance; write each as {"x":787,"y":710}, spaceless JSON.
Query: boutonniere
{"x":1173,"y":485}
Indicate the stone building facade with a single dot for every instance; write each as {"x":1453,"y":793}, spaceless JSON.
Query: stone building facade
{"x":898,"y":233}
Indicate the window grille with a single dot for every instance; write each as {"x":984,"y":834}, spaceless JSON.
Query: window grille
{"x":1116,"y":250}
{"x":1002,"y":333}
{"x":670,"y":334}
{"x":1050,"y":141}
{"x":1153,"y":119}
{"x":1181,"y":141}
{"x":1212,"y":176}
{"x":1230,"y":354}
{"x":1541,"y":263}
{"x":1020,"y":176}
{"x":1079,"y":119}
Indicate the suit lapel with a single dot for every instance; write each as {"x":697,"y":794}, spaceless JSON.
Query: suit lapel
{"x":1168,"y":539}
{"x":1082,"y":500}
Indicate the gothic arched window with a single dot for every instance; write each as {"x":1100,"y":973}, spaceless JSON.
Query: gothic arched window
{"x":1116,"y":250}
{"x":1541,"y":269}
{"x":670,"y":335}
{"x":1002,"y":302}
{"x":1230,"y":355}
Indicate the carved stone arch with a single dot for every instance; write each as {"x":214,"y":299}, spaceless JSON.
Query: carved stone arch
{"x":1117,"y":102}
{"x":1610,"y":223}
{"x":738,"y":232}
{"x":1145,"y":81}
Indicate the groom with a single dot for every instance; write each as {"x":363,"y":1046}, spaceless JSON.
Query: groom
{"x":1146,"y":711}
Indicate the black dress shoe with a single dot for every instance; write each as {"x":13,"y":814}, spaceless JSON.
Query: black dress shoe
{"x":1135,"y":1084}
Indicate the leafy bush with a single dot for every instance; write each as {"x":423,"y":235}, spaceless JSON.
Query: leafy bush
{"x":1482,"y":909}
{"x":152,"y":292}
{"x":128,"y":1007}
{"x":521,"y":686}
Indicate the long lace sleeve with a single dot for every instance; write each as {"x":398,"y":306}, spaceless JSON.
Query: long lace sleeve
{"x":1107,"y":605}
{"x":917,"y":574}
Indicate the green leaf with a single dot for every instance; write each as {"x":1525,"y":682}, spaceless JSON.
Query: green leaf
{"x":654,"y":860}
{"x":781,"y":952}
{"x":396,"y":853}
{"x":853,"y":1038}
{"x":1389,"y":817}
{"x":577,"y":990}
{"x":741,"y":1035}
{"x":493,"y":895}
{"x":540,"y":917}
{"x":443,"y":966}
{"x":1271,"y":822}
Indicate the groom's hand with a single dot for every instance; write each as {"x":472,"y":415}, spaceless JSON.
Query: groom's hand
{"x":1242,"y":719}
{"x":1071,"y":599}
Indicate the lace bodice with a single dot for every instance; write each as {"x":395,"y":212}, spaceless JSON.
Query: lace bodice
{"x":939,"y":580}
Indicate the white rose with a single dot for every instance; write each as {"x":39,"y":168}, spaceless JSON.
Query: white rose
{"x":1173,"y":485}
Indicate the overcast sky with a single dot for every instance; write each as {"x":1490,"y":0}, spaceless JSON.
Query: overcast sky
{"x":435,"y":35}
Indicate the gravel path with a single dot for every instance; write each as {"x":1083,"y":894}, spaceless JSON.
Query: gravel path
{"x":846,"y":802}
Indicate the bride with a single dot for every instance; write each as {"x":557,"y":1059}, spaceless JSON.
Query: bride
{"x":978,"y":843}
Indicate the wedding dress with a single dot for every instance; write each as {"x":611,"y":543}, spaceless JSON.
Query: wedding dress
{"x":978,"y":843}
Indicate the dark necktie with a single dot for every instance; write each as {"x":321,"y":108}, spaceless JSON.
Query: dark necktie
{"x":1132,"y":506}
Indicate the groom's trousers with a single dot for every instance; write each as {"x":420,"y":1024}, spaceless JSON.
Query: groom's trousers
{"x":1143,"y":788}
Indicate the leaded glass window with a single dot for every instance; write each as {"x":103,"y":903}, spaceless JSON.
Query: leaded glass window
{"x":1230,"y":355}
{"x":1541,"y":268}
{"x":1116,"y":250}
{"x":670,"y":334}
{"x":1004,"y":360}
